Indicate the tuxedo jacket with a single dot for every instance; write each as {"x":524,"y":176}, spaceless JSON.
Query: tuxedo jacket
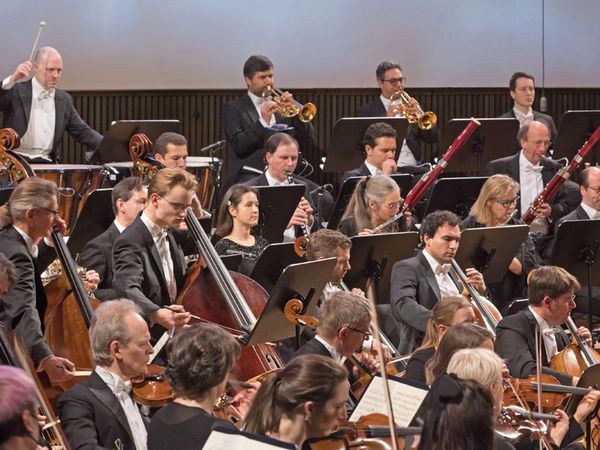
{"x":97,"y":255}
{"x":362,"y":171}
{"x":413,"y":133}
{"x":22,"y":308}
{"x":561,"y":204}
{"x":246,"y":136}
{"x":92,"y":417}
{"x":577,"y":214}
{"x":313,"y":347}
{"x":15,"y":104}
{"x":414,"y":292}
{"x":515,"y":343}
{"x":138,"y":269}
{"x":536,"y":116}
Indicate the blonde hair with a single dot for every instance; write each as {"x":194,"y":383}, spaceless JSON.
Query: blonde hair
{"x":166,"y":179}
{"x":30,"y":193}
{"x":443,"y":314}
{"x":495,"y":187}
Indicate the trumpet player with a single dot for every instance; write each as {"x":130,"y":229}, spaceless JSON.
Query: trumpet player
{"x":390,"y":80}
{"x":282,"y":158}
{"x":248,"y":122}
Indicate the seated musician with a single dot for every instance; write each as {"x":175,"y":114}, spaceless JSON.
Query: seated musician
{"x":375,"y":201}
{"x":200,"y":359}
{"x":19,"y":426}
{"x":418,"y":283}
{"x":237,"y":216}
{"x":588,"y":209}
{"x":344,"y":325}
{"x":379,"y":144}
{"x":170,"y":149}
{"x":247,"y":123}
{"x":282,"y":158}
{"x":149,"y":255}
{"x":28,"y":217}
{"x":494,"y":208}
{"x":303,"y":401}
{"x":486,"y":368}
{"x":447,"y":312}
{"x":31,"y":108}
{"x":391,"y":79}
{"x":551,"y":294}
{"x":128,"y":198}
{"x":533,"y":171}
{"x":99,"y":412}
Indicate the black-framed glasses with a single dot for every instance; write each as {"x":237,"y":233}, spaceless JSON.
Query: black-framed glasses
{"x":366,"y":334}
{"x":394,"y":81}
{"x":178,"y":207}
{"x":50,"y":211}
{"x":507,"y":203}
{"x":595,"y":189}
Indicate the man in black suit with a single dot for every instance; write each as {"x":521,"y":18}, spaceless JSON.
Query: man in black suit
{"x":129,"y":198}
{"x":248,"y":122}
{"x":533,"y":171}
{"x":390,"y":79}
{"x":39,"y":112}
{"x":27,"y":218}
{"x":149,"y":255}
{"x":551,"y":292}
{"x":282,"y":157}
{"x":379,"y":144}
{"x":99,"y":412}
{"x":522,"y":91}
{"x":419,"y":282}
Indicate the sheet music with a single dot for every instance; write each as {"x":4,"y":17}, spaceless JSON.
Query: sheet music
{"x":221,"y":438}
{"x":406,"y":400}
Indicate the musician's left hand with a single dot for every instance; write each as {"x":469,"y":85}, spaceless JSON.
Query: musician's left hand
{"x":61,"y":224}
{"x":370,"y":361}
{"x":358,"y":291}
{"x":92,"y":278}
{"x":585,"y":335}
{"x":475,"y":279}
{"x":544,"y":210}
{"x":304,"y":205}
{"x":558,"y":429}
{"x":408,"y":216}
{"x":586,"y":406}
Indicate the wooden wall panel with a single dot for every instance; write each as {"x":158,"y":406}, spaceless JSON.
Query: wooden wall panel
{"x":200,"y":111}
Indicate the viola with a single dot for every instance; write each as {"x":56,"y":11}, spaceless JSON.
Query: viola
{"x":513,"y":422}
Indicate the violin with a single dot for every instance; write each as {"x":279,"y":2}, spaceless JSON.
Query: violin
{"x":152,"y":388}
{"x":514,"y":422}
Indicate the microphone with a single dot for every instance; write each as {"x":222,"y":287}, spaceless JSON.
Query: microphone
{"x":212,"y":147}
{"x":543,"y":102}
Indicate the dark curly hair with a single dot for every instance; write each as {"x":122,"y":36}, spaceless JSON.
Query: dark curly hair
{"x":200,"y":357}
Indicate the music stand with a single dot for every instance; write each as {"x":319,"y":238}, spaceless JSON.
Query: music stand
{"x":373,"y":256}
{"x":5,"y":193}
{"x":490,"y":250}
{"x":575,"y":250}
{"x":575,"y":128}
{"x":94,"y":219}
{"x":114,"y":146}
{"x":304,"y":281}
{"x":495,"y":136}
{"x":403,"y":180}
{"x":271,"y":263}
{"x":345,"y":150}
{"x":455,"y":194}
{"x":277,"y":205}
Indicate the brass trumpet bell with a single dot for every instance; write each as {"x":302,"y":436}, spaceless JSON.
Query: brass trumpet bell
{"x":414,"y":114}
{"x":305,"y":113}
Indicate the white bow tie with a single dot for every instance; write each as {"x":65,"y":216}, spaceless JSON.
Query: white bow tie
{"x":124,"y":386}
{"x":537,"y":169}
{"x":443,"y":269}
{"x":46,"y":94}
{"x":550,"y":331}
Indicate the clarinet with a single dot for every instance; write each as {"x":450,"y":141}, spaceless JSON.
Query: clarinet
{"x":560,"y":178}
{"x":428,"y":178}
{"x":304,"y":226}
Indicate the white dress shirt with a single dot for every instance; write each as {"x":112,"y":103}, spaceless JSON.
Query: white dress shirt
{"x":122,"y":390}
{"x":523,"y":118}
{"x":258,"y":102}
{"x":405,"y":158}
{"x":548,"y":334}
{"x":164,"y":250}
{"x":591,"y":212}
{"x":445,"y":283}
{"x":532,"y":185}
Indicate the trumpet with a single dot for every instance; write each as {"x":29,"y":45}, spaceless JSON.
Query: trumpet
{"x":425,"y":120}
{"x":305,"y":113}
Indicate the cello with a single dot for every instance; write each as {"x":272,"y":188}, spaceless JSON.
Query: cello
{"x":225,"y":298}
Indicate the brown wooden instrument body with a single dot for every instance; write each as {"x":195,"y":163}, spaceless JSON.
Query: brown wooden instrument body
{"x":13,"y":353}
{"x":525,"y":390}
{"x":152,"y":389}
{"x":576,"y":357}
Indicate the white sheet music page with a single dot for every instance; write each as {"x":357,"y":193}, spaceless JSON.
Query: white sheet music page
{"x":407,"y":397}
{"x":221,"y":438}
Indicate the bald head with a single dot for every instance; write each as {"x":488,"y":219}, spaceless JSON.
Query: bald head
{"x":590,"y":187}
{"x":48,"y":67}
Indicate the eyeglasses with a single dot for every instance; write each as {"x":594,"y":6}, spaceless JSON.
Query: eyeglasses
{"x":595,"y":189}
{"x":178,"y":207}
{"x":392,"y":205}
{"x":394,"y":81}
{"x":507,"y":203}
{"x":540,"y":143}
{"x":366,"y":334}
{"x":50,"y":211}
